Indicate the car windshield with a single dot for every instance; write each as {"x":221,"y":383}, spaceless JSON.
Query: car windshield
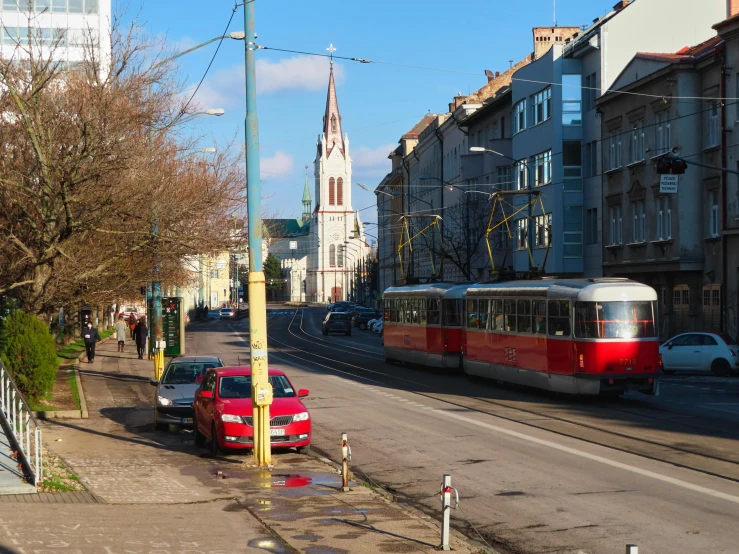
{"x":239,"y":386}
{"x":338,"y":317}
{"x":186,"y":373}
{"x":611,"y":320}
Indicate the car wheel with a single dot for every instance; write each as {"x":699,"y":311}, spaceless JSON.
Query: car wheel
{"x":720,"y":367}
{"x":214,"y":446}
{"x":362,"y":326}
{"x":159,"y":426}
{"x":303,"y":450}
{"x":198,"y":437}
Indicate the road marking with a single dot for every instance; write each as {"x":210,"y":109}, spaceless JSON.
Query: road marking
{"x":593,"y":457}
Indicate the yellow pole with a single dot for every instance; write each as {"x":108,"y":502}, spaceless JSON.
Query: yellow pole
{"x":261,"y":387}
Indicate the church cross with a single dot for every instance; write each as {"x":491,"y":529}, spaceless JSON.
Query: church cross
{"x":331,"y":51}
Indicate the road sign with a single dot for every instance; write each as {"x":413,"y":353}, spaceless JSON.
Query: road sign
{"x":293,"y":245}
{"x":668,"y":184}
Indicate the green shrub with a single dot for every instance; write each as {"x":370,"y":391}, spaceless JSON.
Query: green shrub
{"x":29,"y":353}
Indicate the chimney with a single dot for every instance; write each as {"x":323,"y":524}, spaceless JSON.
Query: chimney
{"x":621,"y":5}
{"x":544,"y":37}
{"x":457,"y":102}
{"x":733,"y":7}
{"x":497,"y":73}
{"x":490,"y":76}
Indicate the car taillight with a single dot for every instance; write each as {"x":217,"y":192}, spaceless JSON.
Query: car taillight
{"x":582,"y":361}
{"x":446,"y":346}
{"x":660,"y":365}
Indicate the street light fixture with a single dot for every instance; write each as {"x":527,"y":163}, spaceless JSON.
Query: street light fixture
{"x":215,"y":111}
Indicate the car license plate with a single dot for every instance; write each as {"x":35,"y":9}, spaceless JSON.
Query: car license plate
{"x":277,"y":432}
{"x":186,"y":420}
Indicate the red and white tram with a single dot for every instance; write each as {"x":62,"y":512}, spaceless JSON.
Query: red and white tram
{"x":579,"y":336}
{"x":424,"y":324}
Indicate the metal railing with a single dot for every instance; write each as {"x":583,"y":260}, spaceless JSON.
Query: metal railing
{"x":21,"y":427}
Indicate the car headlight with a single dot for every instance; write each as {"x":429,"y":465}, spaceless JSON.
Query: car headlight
{"x":230,"y":418}
{"x":162,"y":401}
{"x":303,"y":416}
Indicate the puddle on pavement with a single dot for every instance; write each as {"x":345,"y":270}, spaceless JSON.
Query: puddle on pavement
{"x":312,"y":538}
{"x":269,"y":545}
{"x":318,"y":549}
{"x":304,"y":484}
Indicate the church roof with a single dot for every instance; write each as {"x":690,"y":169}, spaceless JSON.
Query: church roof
{"x":283,"y":228}
{"x":332,"y":118}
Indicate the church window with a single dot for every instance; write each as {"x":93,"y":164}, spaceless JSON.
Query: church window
{"x":331,"y":196}
{"x":340,"y":192}
{"x":333,"y":123}
{"x":341,"y":256}
{"x":332,"y":255}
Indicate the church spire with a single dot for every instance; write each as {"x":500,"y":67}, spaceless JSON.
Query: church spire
{"x":306,"y":199}
{"x":332,"y":117}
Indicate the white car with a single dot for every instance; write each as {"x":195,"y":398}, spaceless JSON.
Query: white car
{"x":377,"y":329}
{"x":714,"y":352}
{"x":372,"y":322}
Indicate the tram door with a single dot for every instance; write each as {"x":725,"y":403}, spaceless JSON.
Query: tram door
{"x":336,"y":294}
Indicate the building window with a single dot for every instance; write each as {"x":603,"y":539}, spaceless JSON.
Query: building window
{"x":591,"y":159}
{"x":214,"y":274}
{"x":543,"y":168}
{"x":714,"y":213}
{"x":340,"y":256}
{"x":522,"y":234}
{"x":614,"y":150}
{"x":340,"y":192}
{"x":636,"y":143}
{"x":519,"y":117}
{"x":663,"y":132}
{"x":664,"y":218}
{"x":331,"y":192}
{"x":504,"y":178}
{"x":332,"y":255}
{"x":572,"y":164}
{"x":542,"y":103}
{"x":520,"y":174}
{"x":590,"y":92}
{"x":713,"y":125}
{"x":637,"y":221}
{"x":616,"y":225}
{"x":571,"y":100}
{"x":542,"y":230}
{"x":572,"y":232}
{"x":591,"y":226}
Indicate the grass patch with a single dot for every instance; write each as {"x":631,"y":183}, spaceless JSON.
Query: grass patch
{"x":57,"y":476}
{"x":73,"y":387}
{"x":43,"y":404}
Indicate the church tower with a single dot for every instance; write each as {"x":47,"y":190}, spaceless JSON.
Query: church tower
{"x":332,"y":232}
{"x":306,"y":199}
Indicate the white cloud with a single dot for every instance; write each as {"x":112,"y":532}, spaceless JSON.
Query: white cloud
{"x":372,"y":161}
{"x":278,"y":165}
{"x":226,"y":86}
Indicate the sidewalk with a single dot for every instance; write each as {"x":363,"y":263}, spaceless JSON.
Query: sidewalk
{"x":157,"y":491}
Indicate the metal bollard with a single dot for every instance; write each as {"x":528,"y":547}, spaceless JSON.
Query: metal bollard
{"x":346,"y":457}
{"x":446,"y":507}
{"x":632,"y":549}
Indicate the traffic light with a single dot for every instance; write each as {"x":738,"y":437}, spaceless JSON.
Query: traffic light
{"x":667,"y":165}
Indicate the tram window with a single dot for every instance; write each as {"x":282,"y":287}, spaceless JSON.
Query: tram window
{"x":452,"y":313}
{"x":611,"y":320}
{"x":408,"y":310}
{"x":496,"y":315}
{"x":483,"y":309}
{"x":539,"y":311}
{"x":559,"y":318}
{"x":421,"y":311}
{"x":472,"y":316}
{"x":509,"y":309}
{"x":524,"y":316}
{"x":433,"y":316}
{"x":414,"y":307}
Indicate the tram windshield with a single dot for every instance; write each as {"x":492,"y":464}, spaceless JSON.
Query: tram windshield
{"x":614,"y":320}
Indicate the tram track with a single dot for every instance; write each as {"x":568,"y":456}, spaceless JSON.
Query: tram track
{"x":686,"y":457}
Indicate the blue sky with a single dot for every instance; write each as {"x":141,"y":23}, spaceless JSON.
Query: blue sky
{"x":378,"y":102}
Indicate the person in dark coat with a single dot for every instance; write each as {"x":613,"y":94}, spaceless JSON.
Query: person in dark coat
{"x":141,"y":332}
{"x":91,"y":336}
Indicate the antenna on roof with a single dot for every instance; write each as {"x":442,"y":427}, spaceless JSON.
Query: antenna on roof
{"x":510,"y":62}
{"x":555,"y":12}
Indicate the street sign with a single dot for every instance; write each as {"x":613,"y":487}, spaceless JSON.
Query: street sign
{"x":668,"y":184}
{"x":293,"y":245}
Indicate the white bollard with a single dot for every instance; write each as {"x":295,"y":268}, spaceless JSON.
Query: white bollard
{"x":346,"y":456}
{"x":632,"y":549}
{"x":446,"y":508}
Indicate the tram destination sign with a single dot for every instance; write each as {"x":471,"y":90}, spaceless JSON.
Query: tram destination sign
{"x":668,"y":184}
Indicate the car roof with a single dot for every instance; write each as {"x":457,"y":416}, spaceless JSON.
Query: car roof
{"x":195,"y":359}
{"x":242,"y":370}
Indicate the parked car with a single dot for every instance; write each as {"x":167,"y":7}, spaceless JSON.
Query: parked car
{"x":176,"y":389}
{"x":223,"y":411}
{"x":714,"y":352}
{"x":372,"y":322}
{"x":377,"y":329}
{"x":362,"y":319}
{"x":226,"y":313}
{"x":337,"y":321}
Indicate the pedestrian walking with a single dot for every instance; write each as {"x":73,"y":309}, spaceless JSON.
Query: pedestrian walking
{"x":120,"y":332}
{"x":91,"y":336}
{"x":140,"y":335}
{"x":132,"y":324}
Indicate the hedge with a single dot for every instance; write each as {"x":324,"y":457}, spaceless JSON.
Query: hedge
{"x":29,"y":353}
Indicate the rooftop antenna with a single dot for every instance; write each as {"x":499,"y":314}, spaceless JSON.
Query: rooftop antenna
{"x":510,"y":62}
{"x":555,"y":12}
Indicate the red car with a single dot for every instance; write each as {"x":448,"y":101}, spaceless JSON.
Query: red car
{"x":223,"y":411}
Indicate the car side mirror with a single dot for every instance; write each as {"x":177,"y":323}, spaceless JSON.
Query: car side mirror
{"x":206,"y":394}
{"x":302,"y":393}
{"x":153,"y":382}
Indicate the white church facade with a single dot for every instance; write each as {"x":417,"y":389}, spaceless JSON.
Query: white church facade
{"x":321,"y":251}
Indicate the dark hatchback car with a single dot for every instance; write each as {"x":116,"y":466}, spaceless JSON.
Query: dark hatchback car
{"x":337,"y":322}
{"x":362,"y":318}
